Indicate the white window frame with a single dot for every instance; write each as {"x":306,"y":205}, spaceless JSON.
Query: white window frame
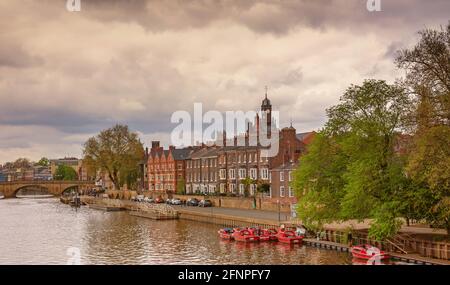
{"x":242,"y":173}
{"x":253,"y":173}
{"x":241,"y":189}
{"x":282,"y":191}
{"x":264,"y":173}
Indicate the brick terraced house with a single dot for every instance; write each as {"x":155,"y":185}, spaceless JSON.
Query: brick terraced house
{"x":229,"y":168}
{"x":166,"y":168}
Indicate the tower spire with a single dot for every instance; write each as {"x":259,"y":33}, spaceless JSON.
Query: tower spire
{"x":266,"y":90}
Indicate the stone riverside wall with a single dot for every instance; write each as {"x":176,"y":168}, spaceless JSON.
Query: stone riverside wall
{"x":265,"y":204}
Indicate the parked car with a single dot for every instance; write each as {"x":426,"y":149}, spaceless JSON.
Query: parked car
{"x":192,"y":202}
{"x":140,"y":198}
{"x":159,"y":200}
{"x":151,"y":200}
{"x":205,"y":203}
{"x":169,"y":201}
{"x":175,"y":201}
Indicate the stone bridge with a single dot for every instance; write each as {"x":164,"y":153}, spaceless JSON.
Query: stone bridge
{"x":10,"y":189}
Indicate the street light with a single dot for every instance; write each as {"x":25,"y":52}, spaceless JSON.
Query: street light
{"x":279,"y":212}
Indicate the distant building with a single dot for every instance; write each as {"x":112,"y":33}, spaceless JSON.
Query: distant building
{"x":73,"y":162}
{"x":3,"y":177}
{"x":42,"y":173}
{"x":227,"y":167}
{"x":166,"y":168}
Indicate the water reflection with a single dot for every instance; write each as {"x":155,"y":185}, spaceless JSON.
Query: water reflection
{"x":40,"y":231}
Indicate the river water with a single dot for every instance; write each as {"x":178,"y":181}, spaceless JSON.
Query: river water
{"x":45,"y":231}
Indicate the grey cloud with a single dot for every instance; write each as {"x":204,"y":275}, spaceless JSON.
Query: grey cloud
{"x":16,"y":56}
{"x":267,"y":16}
{"x":68,"y":75}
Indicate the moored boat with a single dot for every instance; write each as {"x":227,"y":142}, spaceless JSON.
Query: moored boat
{"x":244,"y":235}
{"x":226,"y":233}
{"x":367,"y":251}
{"x":264,"y":234}
{"x":289,"y":236}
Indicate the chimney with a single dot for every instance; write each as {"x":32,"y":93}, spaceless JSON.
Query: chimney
{"x":155,"y":144}
{"x":224,"y":138}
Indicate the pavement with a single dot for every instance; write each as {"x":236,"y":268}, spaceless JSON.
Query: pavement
{"x":255,"y":214}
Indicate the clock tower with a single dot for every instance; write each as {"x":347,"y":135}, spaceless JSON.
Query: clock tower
{"x":266,"y":112}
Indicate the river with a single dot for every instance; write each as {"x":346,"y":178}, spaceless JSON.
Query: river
{"x":45,"y":231}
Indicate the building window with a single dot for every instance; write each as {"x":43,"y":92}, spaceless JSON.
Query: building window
{"x":252,"y":189}
{"x":281,"y":175}
{"x":281,"y":191}
{"x":265,"y":173}
{"x":242,"y":173}
{"x":222,"y":188}
{"x":223,"y":173}
{"x":253,"y":173}
{"x":241,"y":189}
{"x":291,"y":192}
{"x":232,"y":188}
{"x":232,"y":174}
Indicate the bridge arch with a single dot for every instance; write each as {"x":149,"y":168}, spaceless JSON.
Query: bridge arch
{"x":32,"y":190}
{"x":56,"y":188}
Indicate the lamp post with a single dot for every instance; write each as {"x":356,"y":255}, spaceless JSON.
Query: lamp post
{"x":279,"y":212}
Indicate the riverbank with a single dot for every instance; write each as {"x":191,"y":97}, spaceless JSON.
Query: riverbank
{"x":334,"y":233}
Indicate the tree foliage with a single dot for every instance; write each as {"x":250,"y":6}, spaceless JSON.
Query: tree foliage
{"x":44,"y":162}
{"x":427,"y":67}
{"x":116,"y":151}
{"x":350,"y":170}
{"x":361,"y":165}
{"x":65,"y":172}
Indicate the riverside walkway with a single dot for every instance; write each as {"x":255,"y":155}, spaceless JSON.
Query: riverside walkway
{"x":285,"y":218}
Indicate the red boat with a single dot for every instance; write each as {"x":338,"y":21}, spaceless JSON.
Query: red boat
{"x":264,"y":234}
{"x":226,"y":233}
{"x":244,"y":235}
{"x":367,"y":251}
{"x":288,"y":236}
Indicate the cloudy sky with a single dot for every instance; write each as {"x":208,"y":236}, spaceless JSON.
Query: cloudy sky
{"x":64,"y":76}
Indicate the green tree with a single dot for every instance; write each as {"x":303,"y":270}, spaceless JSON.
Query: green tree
{"x":351,"y":170}
{"x":247,"y":182}
{"x":427,"y":67}
{"x":117,"y":151}
{"x":44,"y":162}
{"x":319,"y":182}
{"x":65,"y":172}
